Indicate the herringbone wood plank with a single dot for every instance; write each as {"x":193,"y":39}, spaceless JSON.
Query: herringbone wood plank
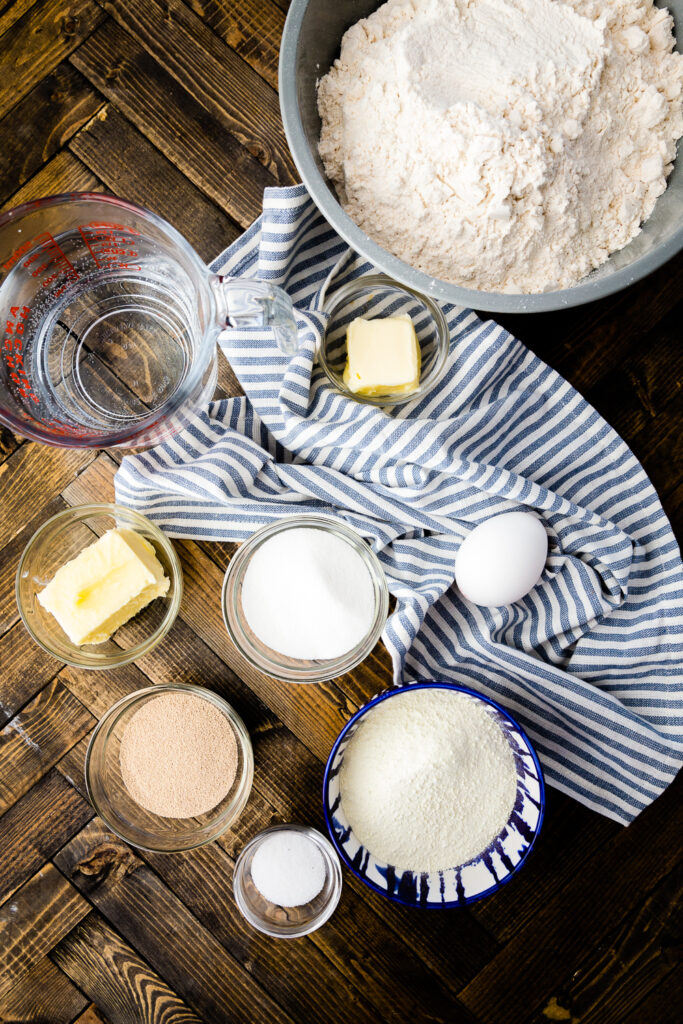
{"x":172,"y":104}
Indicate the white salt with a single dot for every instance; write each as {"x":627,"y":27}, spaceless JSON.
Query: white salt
{"x":288,"y":869}
{"x":308,"y":594}
{"x":428,"y":780}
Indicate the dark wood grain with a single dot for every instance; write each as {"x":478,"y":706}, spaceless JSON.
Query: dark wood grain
{"x":31,"y":477}
{"x":42,"y":123}
{"x":203,"y":880}
{"x":36,"y":826}
{"x":91,"y":1014}
{"x":220,"y":81}
{"x":252,"y":28}
{"x":193,"y":138}
{"x":26,"y":670}
{"x":63,"y":173}
{"x":570,"y":835}
{"x":37,"y":737}
{"x":11,"y":11}
{"x":33,"y":919}
{"x":172,"y":104}
{"x":42,"y":995}
{"x":9,"y":442}
{"x":129,"y":894}
{"x":661,"y":1006}
{"x":117,"y":978}
{"x":630,"y":962}
{"x":130,"y":165}
{"x":36,"y":43}
{"x":596,"y":898}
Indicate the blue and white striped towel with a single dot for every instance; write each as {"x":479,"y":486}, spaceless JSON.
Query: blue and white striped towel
{"x":591,"y":660}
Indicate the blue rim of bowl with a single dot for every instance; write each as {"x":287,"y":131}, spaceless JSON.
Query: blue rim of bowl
{"x":432,"y":684}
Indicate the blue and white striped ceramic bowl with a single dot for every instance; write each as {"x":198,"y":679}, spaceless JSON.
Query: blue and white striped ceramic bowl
{"x":461,"y":883}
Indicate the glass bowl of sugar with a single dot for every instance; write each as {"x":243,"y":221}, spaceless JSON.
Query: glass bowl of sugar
{"x":169,"y":768}
{"x":287,"y":881}
{"x":305,"y":599}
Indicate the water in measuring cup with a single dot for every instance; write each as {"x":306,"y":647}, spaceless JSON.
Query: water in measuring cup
{"x":106,"y":340}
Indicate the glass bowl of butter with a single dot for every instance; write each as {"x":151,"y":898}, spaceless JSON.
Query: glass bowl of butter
{"x":98,"y":586}
{"x":385,"y":344}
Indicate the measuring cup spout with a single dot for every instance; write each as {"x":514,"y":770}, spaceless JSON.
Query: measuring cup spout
{"x":247,"y":303}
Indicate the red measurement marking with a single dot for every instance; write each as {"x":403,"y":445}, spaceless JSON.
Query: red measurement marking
{"x":83,"y":236}
{"x":108,"y":225}
{"x":53,"y":258}
{"x":23,"y":249}
{"x":12,"y":352}
{"x":63,"y":255}
{"x":110,"y":245}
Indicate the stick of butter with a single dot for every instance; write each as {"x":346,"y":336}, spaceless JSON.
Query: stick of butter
{"x":382,"y":356}
{"x":104,"y":586}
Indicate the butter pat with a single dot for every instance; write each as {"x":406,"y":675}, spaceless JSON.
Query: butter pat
{"x":382,"y":356}
{"x":105,"y":586}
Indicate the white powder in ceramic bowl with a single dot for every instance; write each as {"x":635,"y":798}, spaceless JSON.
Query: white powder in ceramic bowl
{"x":428,"y":780}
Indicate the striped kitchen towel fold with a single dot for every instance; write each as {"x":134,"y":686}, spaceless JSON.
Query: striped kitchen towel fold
{"x":590,"y":662}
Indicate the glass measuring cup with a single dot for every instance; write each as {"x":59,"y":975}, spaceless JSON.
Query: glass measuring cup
{"x":109,"y":321}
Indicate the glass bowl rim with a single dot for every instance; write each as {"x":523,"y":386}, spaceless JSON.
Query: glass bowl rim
{"x":431,"y":684}
{"x":80,"y":513}
{"x":346,"y":291}
{"x":331,"y":856}
{"x":324,"y":670}
{"x":243,"y":739}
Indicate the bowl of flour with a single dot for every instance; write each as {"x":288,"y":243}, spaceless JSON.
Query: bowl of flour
{"x":509,"y":155}
{"x":433,"y":795}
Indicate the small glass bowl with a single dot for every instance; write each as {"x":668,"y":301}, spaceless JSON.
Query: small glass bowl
{"x":378,"y":296}
{"x":135,"y":824}
{"x":287,"y":922}
{"x":280,"y":666}
{"x":62,"y":538}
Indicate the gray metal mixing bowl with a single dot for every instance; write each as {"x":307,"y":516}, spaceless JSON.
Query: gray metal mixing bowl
{"x":310,"y":43}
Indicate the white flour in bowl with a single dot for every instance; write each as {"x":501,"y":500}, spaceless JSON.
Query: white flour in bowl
{"x":428,"y":780}
{"x":504,"y":145}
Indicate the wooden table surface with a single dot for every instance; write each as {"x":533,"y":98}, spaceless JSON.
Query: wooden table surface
{"x":173,"y":105}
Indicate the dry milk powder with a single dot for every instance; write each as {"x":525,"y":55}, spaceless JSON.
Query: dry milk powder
{"x":505,"y":145}
{"x":428,"y":780}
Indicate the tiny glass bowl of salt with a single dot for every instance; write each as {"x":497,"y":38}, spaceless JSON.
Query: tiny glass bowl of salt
{"x":433,"y":795}
{"x":378,"y":297}
{"x":169,"y":768}
{"x":59,"y":546}
{"x":287,"y":881}
{"x":305,"y":599}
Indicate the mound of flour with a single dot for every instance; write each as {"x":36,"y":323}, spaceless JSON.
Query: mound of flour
{"x":505,"y":145}
{"x":428,"y":780}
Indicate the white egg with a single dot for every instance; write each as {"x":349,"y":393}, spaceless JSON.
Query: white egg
{"x":502,"y":559}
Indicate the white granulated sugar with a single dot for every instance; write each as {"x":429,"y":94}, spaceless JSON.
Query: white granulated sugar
{"x":308,"y":594}
{"x":505,"y":145}
{"x":428,"y":780}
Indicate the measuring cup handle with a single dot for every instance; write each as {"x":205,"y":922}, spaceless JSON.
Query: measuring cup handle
{"x":247,"y":303}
